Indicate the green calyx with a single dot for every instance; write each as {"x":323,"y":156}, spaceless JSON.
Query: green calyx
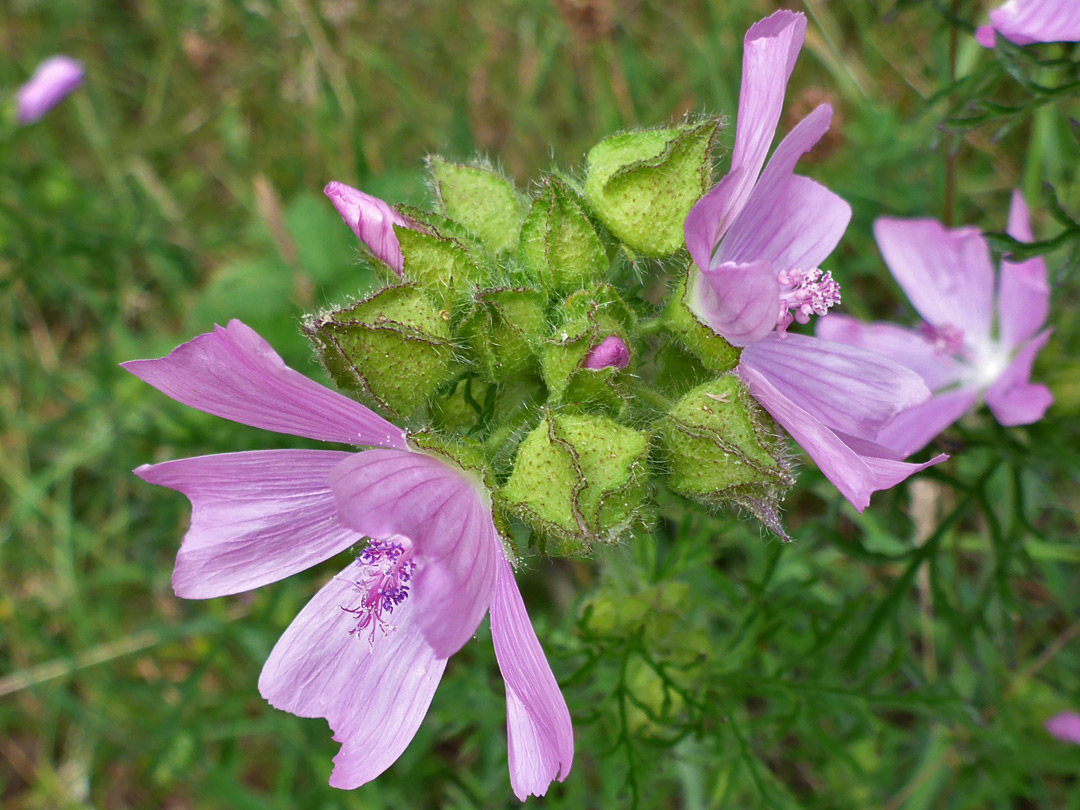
{"x":721,"y":449}
{"x":715,"y":353}
{"x":642,"y":184}
{"x":442,"y":266}
{"x":503,"y":330}
{"x":462,"y":451}
{"x":480,"y":199}
{"x":392,"y":349}
{"x":578,"y":480}
{"x":559,"y":245}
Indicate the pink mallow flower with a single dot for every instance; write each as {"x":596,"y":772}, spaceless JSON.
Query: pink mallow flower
{"x":757,"y":240}
{"x":368,"y":650}
{"x":372,"y":220}
{"x":50,"y":84}
{"x":949,"y":278}
{"x":1026,"y":21}
{"x":1065,"y":727}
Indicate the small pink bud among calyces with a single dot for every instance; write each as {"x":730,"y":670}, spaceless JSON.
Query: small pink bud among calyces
{"x":608,"y":353}
{"x":53,"y":80}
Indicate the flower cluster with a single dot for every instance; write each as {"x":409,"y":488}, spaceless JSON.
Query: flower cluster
{"x":549,"y":361}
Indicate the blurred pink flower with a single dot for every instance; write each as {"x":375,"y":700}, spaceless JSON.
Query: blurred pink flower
{"x":53,"y":80}
{"x":757,"y":239}
{"x":369,"y":649}
{"x":1026,"y":21}
{"x":372,"y":221}
{"x":949,"y":279}
{"x":611,"y":351}
{"x":1065,"y":726}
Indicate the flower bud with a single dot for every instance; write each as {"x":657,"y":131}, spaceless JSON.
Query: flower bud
{"x":482,"y":200}
{"x":393,"y":348}
{"x":642,"y":184}
{"x":611,"y":352}
{"x":715,"y":353}
{"x":559,"y":245}
{"x":721,"y":449}
{"x":581,"y":361}
{"x":503,"y":330}
{"x":371,"y":220}
{"x":51,"y":83}
{"x":442,"y":266}
{"x":578,"y":480}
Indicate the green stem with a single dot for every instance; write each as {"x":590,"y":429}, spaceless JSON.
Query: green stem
{"x":649,"y":396}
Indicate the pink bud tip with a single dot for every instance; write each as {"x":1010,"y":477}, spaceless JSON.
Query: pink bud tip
{"x":54,"y":79}
{"x":1065,"y":726}
{"x":611,"y":351}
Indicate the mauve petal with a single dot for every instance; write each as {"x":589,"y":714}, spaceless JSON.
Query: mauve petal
{"x":1027,"y":21}
{"x":1012,"y":398}
{"x":1023,"y":292}
{"x":706,"y":220}
{"x":50,"y":83}
{"x":609,"y":352}
{"x":447,"y":516}
{"x":255,"y":517}
{"x":796,"y":225}
{"x":741,"y":302}
{"x":847,"y":389}
{"x":946,"y":274}
{"x":373,"y":693}
{"x":541,"y":737}
{"x":906,"y":346}
{"x":855,"y":475}
{"x":984,"y":35}
{"x":235,"y":374}
{"x":1065,"y":726}
{"x":371,"y":220}
{"x":770,"y":49}
{"x":913,"y":429}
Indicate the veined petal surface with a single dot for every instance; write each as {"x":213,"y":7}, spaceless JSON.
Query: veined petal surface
{"x":373,"y":692}
{"x":235,"y":374}
{"x":946,"y":274}
{"x":846,"y":388}
{"x":1027,"y":21}
{"x":741,"y":302}
{"x":446,"y":515}
{"x":541,"y":737}
{"x":255,"y":517}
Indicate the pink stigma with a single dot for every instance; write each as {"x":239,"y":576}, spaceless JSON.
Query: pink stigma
{"x":804,"y":293}
{"x":382,"y":581}
{"x":946,"y":339}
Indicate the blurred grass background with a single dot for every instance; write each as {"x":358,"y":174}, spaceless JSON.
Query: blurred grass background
{"x":905,"y":658}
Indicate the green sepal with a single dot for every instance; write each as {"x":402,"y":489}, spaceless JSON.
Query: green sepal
{"x":721,"y":449}
{"x":578,"y":480}
{"x":715,"y":353}
{"x":559,"y":245}
{"x":503,"y":330}
{"x":642,"y":184}
{"x":464,"y":406}
{"x":440,"y":265}
{"x":482,"y":200}
{"x":393,"y":348}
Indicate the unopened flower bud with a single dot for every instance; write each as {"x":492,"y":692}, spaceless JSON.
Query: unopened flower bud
{"x":578,"y":480}
{"x":392,"y":348}
{"x":504,"y":330}
{"x":559,"y":245}
{"x":611,"y":352}
{"x":643,"y":184}
{"x":371,"y":220}
{"x":50,"y":84}
{"x":721,"y":449}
